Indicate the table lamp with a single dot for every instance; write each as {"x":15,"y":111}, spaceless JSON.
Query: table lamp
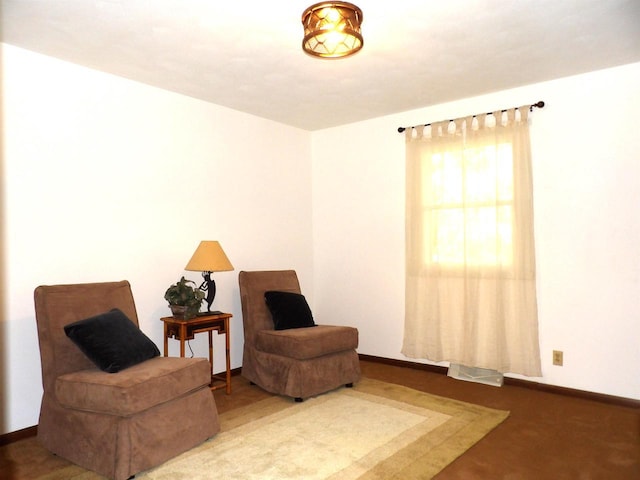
{"x":208,"y":258}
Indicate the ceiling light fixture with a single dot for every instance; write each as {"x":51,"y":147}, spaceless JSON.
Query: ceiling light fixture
{"x":332,"y":29}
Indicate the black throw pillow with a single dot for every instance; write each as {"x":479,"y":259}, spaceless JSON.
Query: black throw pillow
{"x":289,"y":310}
{"x":111,"y":341}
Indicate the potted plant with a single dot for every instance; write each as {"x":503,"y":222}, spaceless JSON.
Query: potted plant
{"x":184,"y":299}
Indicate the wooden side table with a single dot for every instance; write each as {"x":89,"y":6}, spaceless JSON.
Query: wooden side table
{"x":183,"y":330}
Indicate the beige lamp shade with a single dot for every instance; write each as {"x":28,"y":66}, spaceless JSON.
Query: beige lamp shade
{"x":209,"y":257}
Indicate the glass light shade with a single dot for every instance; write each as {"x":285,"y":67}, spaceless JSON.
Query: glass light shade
{"x":209,"y":257}
{"x":332,"y":29}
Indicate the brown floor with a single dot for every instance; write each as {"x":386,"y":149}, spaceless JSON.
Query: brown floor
{"x":547,"y":436}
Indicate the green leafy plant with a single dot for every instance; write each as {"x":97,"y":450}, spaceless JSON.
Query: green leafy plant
{"x":183,"y":294}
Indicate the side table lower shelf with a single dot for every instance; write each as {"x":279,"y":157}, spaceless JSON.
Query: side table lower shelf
{"x":183,"y":330}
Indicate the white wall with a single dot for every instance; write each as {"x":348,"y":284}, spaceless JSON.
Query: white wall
{"x":107,"y":179}
{"x":585,"y":147}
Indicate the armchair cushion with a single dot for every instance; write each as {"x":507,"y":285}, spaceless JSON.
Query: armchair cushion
{"x":111,"y":341}
{"x":289,"y":310}
{"x":307,"y":343}
{"x":135,"y":389}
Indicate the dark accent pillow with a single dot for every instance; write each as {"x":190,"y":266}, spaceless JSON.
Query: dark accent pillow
{"x":289,"y":310}
{"x":111,"y":341}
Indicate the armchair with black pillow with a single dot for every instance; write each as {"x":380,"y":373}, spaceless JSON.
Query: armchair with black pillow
{"x":285,"y":352}
{"x":111,"y":404}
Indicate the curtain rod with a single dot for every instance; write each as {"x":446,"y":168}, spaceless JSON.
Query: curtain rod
{"x":539,"y":104}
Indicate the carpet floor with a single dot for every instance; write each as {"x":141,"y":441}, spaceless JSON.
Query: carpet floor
{"x":546,"y":436}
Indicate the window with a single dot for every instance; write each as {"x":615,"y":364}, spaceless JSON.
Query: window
{"x":468,"y":206}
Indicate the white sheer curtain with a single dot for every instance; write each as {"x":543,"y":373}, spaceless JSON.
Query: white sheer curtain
{"x":470,"y":273}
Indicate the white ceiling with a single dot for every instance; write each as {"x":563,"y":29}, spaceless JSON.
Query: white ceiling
{"x":247,"y":55}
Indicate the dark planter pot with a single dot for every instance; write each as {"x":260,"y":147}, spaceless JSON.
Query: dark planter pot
{"x":182,"y":312}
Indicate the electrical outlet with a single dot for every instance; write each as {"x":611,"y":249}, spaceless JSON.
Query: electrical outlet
{"x":557,"y":357}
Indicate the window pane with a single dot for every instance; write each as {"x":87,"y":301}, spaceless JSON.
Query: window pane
{"x":447,"y":236}
{"x":443,"y":178}
{"x":488,"y":173}
{"x":488,"y":236}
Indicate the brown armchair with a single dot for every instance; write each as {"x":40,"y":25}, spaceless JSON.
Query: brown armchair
{"x":296,"y":362}
{"x":116,"y":424}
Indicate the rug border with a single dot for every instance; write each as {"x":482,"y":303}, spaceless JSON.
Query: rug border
{"x":470,"y":423}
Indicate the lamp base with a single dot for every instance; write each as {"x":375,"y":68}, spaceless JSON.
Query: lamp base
{"x":208,"y":285}
{"x":204,"y":314}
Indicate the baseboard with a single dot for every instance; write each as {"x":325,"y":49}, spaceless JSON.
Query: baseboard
{"x":543,"y":387}
{"x":7,"y":438}
{"x":18,"y":435}
{"x":404,"y":363}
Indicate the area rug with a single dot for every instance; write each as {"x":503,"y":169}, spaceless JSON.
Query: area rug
{"x":376,"y":430}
